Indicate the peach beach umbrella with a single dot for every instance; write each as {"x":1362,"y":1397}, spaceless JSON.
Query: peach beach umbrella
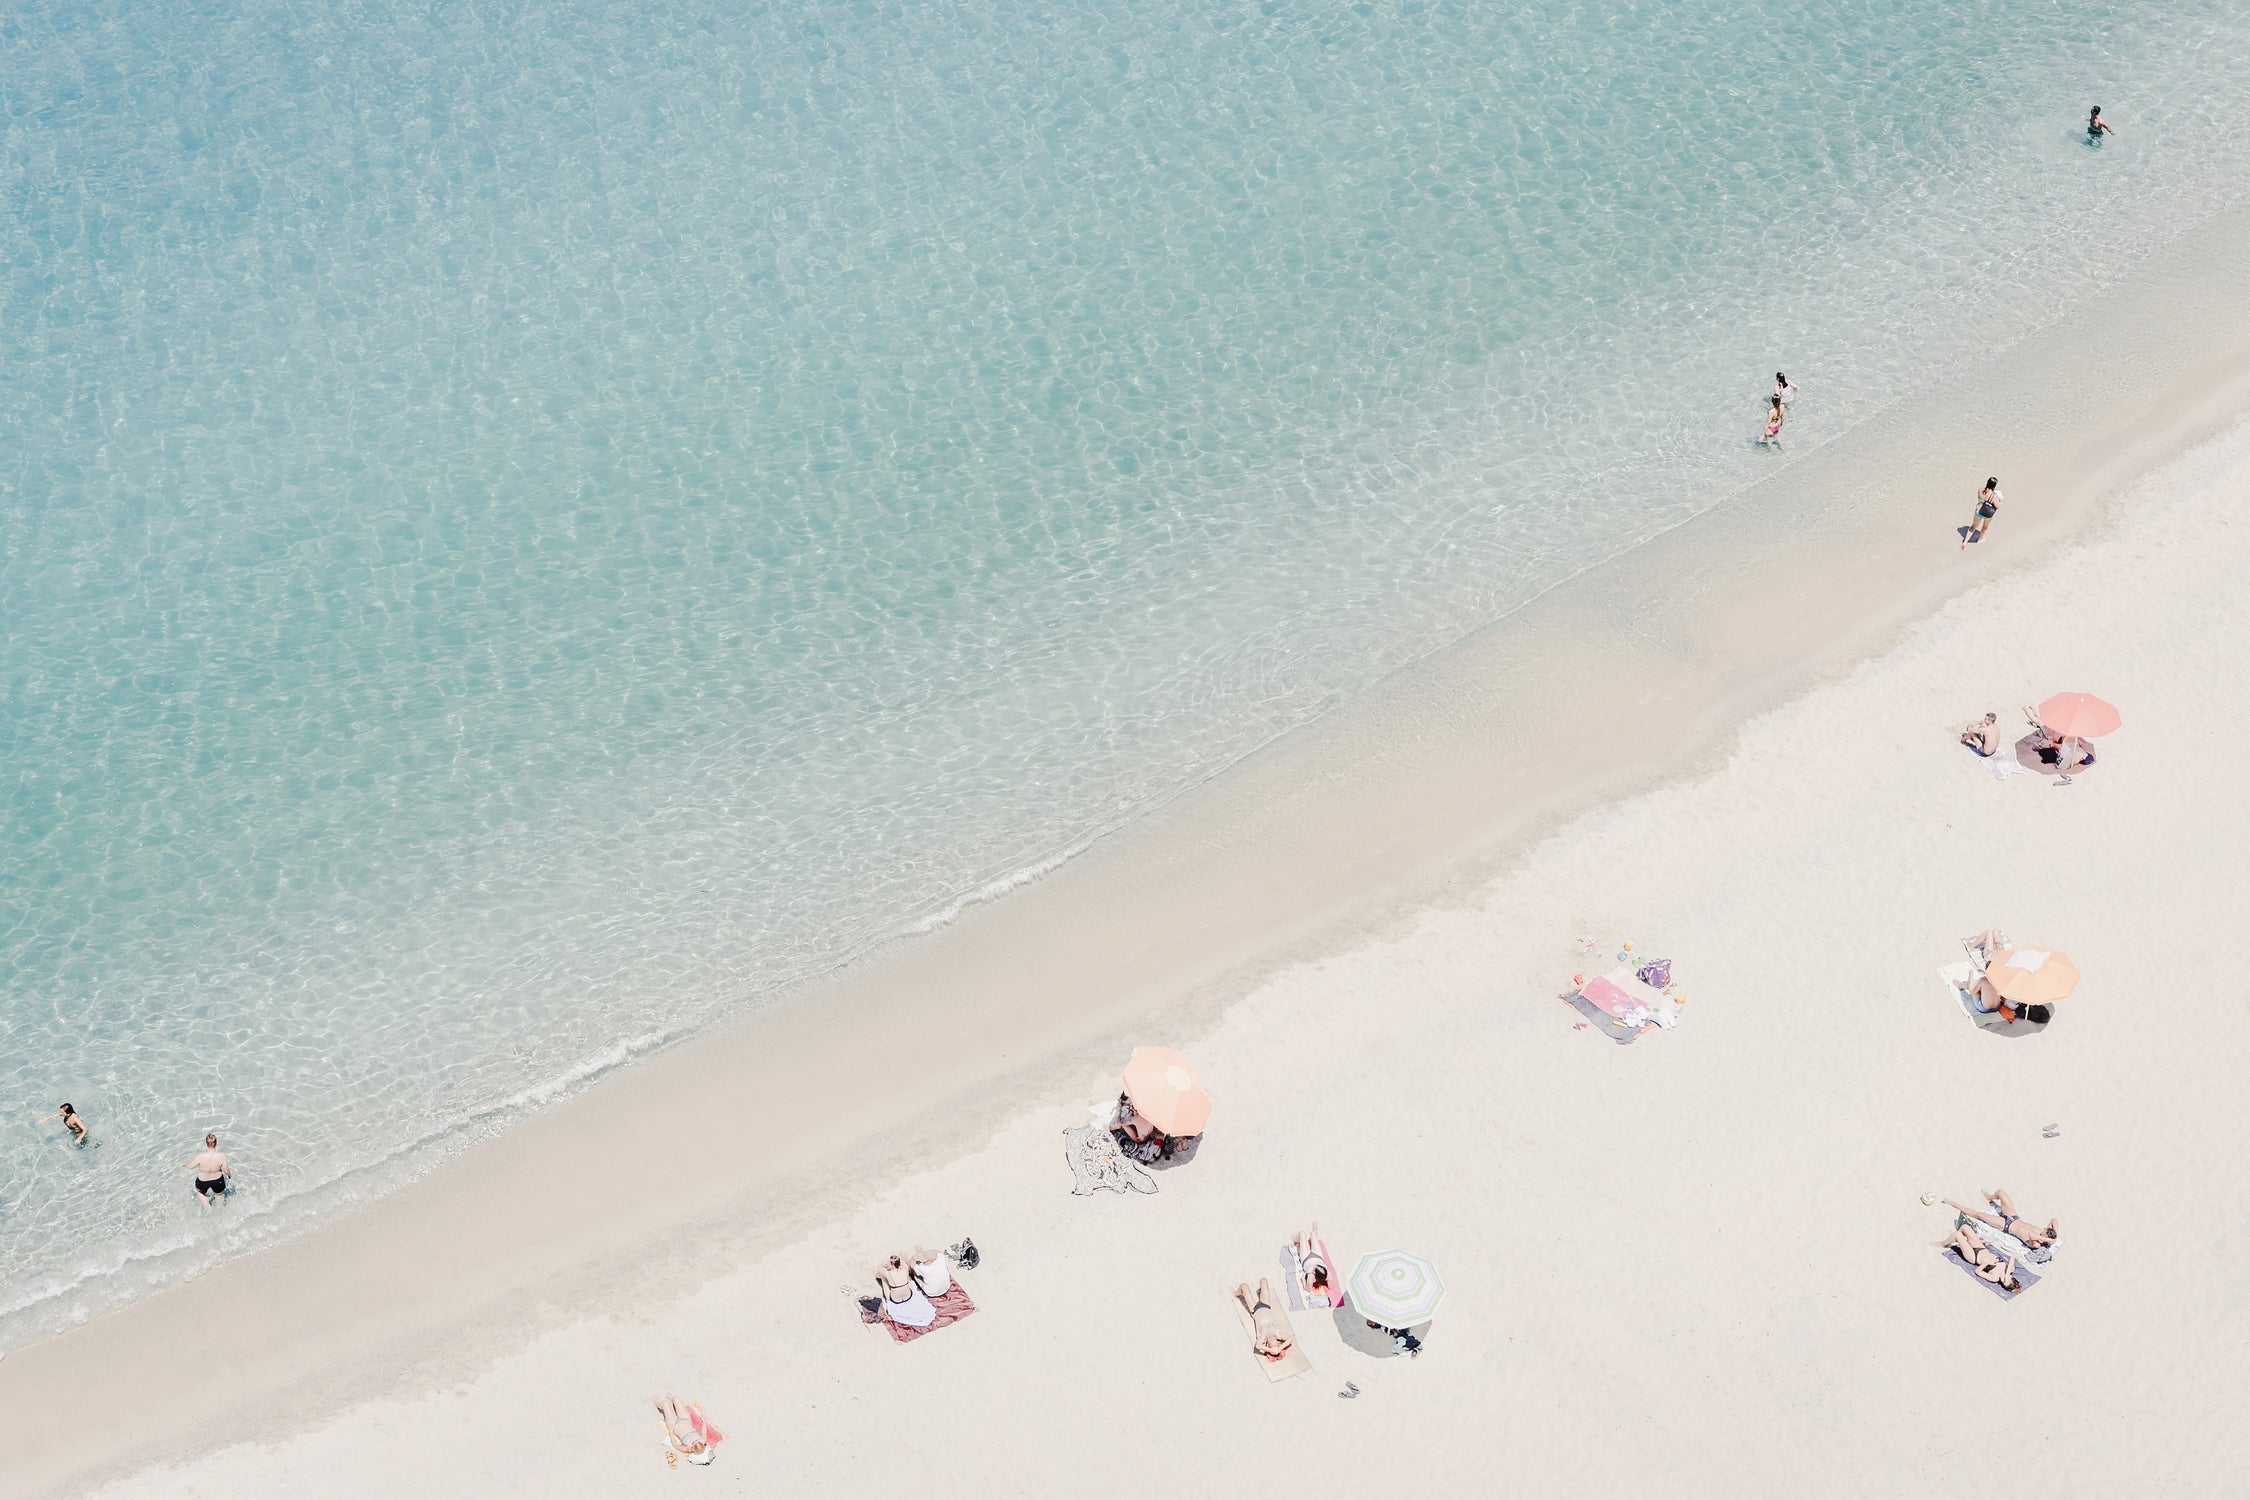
{"x":2029,"y":975}
{"x":2080,"y":714}
{"x":1166,"y":1091}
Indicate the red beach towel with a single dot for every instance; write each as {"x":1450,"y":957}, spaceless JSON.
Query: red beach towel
{"x":951,"y":1308}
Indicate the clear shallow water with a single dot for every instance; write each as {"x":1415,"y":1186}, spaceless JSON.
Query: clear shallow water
{"x":528,"y":527}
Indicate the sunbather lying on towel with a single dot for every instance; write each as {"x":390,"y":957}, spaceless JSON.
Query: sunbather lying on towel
{"x":1313,"y":1276}
{"x":2009,"y":1221}
{"x":679,"y":1423}
{"x":1272,"y":1339}
{"x":1984,"y":737}
{"x":1984,"y":1260}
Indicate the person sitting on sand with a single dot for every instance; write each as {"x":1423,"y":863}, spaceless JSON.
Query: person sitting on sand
{"x":1984,"y":736}
{"x":71,"y":1123}
{"x":1269,"y":1335}
{"x":1986,"y":997}
{"x":1984,"y":1260}
{"x":1137,"y":1136}
{"x":2010,"y":1222}
{"x":903,"y":1286}
{"x":679,"y":1427}
{"x":1312,"y":1267}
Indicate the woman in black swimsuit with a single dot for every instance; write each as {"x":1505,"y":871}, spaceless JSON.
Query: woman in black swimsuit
{"x":1984,"y":1260}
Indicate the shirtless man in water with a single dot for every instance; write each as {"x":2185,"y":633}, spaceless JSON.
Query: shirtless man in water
{"x":211,"y":1170}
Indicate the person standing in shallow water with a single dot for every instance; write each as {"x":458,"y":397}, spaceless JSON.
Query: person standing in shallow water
{"x":1784,"y":390}
{"x":211,"y":1170}
{"x":1988,"y":506}
{"x":1776,"y":414}
{"x":71,"y":1123}
{"x":2096,"y":126}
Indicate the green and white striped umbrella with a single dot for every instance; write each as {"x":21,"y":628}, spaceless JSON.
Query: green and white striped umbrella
{"x":1395,"y":1288}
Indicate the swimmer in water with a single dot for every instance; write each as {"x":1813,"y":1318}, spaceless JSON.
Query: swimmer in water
{"x":2096,"y":126}
{"x":71,"y":1123}
{"x":1774,"y":418}
{"x":1783,"y":388}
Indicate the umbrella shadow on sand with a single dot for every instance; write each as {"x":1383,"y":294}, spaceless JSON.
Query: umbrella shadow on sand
{"x":1376,"y":1343}
{"x":2035,"y":753}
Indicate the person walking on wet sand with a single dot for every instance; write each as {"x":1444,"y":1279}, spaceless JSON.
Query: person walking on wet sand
{"x":1988,"y":506}
{"x":211,"y":1170}
{"x":71,"y":1123}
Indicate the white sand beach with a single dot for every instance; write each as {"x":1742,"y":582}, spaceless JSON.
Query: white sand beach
{"x":1695,"y":1265}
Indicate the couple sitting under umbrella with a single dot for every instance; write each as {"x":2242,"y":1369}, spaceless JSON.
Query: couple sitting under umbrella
{"x":1159,"y":1117}
{"x":2014,"y":982}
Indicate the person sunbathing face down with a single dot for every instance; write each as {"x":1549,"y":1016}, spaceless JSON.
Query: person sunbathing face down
{"x":1984,"y":1260}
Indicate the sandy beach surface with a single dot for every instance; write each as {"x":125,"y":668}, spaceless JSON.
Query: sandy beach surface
{"x":1695,"y":1265}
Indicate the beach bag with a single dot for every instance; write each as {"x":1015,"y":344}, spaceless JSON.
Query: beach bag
{"x":1657,"y":973}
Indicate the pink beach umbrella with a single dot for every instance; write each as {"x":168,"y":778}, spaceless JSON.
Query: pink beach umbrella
{"x":1166,"y":1091}
{"x":2078,"y":714}
{"x":2031,"y":975}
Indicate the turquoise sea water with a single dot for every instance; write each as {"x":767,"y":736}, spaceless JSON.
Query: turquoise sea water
{"x":525,"y":528}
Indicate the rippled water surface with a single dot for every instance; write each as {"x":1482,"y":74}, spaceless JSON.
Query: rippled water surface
{"x":528,"y":526}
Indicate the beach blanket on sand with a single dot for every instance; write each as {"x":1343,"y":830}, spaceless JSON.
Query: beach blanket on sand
{"x":1608,"y":1025}
{"x":2023,"y":1272}
{"x":1301,"y":1300}
{"x":1096,"y":1165}
{"x":951,"y":1309}
{"x":1292,"y":1364}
